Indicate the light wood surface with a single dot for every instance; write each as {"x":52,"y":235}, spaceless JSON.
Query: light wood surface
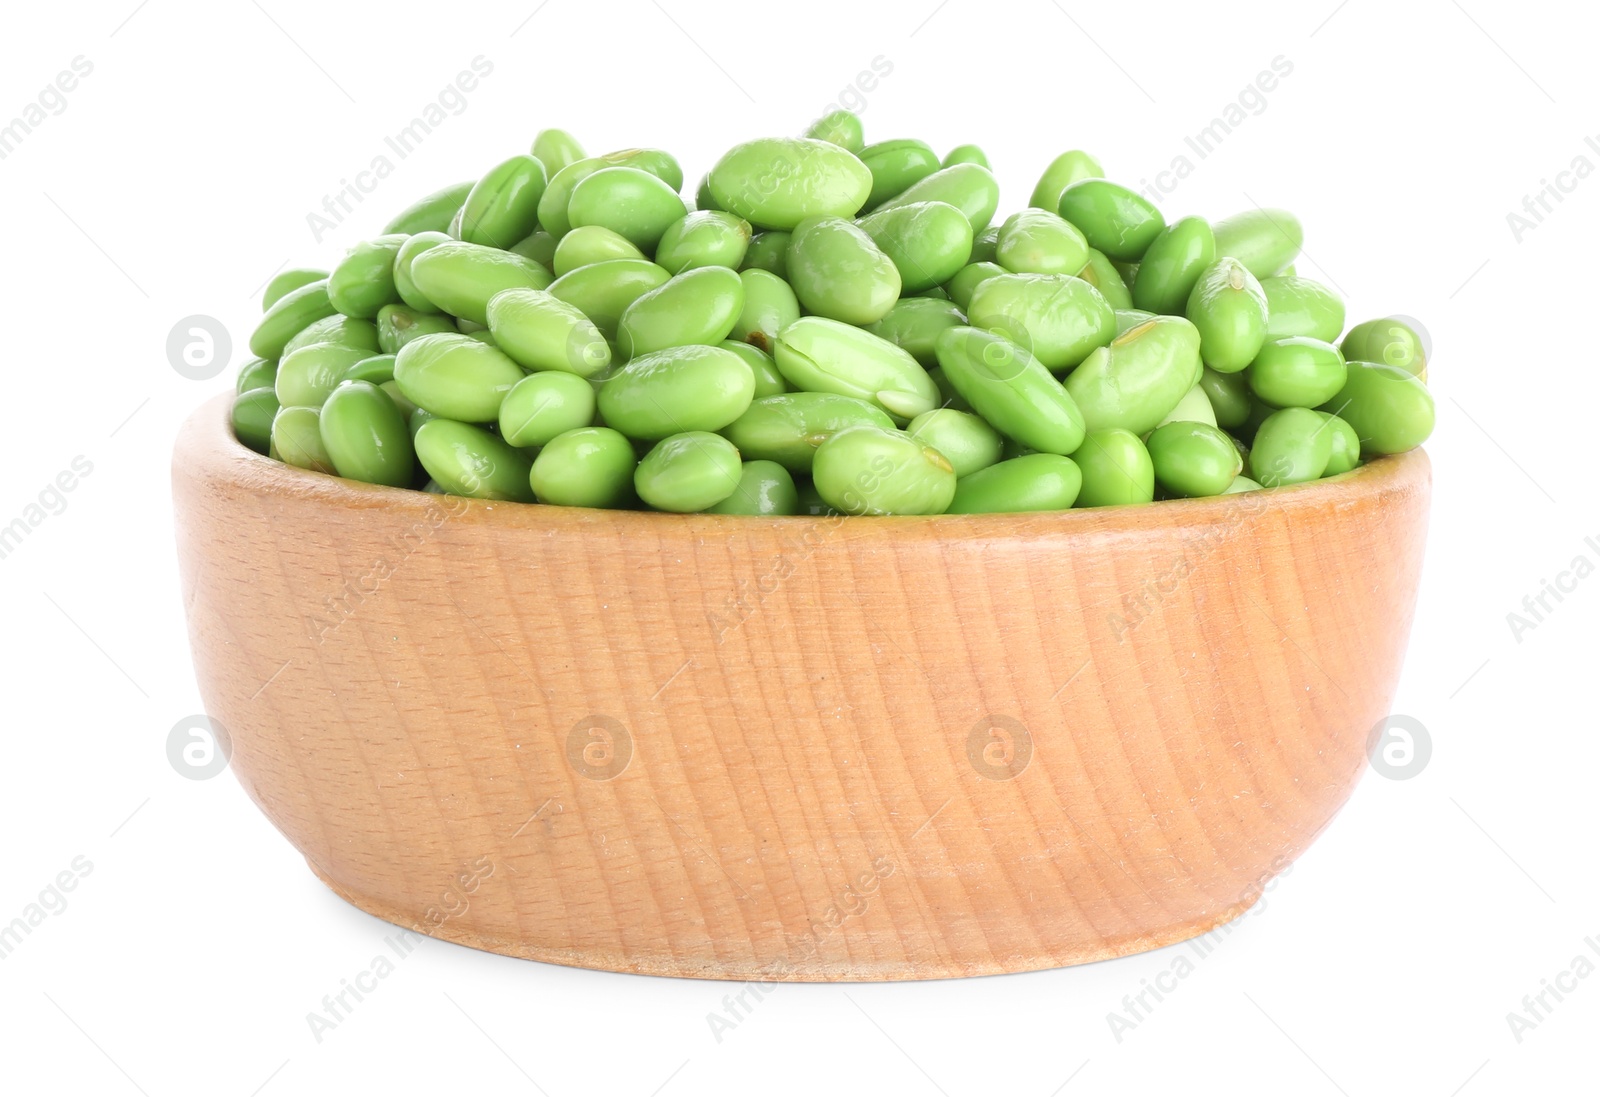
{"x":824,"y":721}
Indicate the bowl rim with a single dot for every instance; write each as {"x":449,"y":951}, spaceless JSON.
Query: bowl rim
{"x":206,"y":445}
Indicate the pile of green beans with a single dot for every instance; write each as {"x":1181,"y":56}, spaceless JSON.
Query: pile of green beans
{"x":829,"y":327}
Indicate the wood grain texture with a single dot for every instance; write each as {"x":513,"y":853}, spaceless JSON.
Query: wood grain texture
{"x":895,"y":748}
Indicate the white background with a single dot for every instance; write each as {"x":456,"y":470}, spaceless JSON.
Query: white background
{"x":179,"y":176}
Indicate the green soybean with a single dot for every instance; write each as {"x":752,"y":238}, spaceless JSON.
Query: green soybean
{"x":926,"y":241}
{"x":539,"y":331}
{"x":1010,"y":389}
{"x":503,"y":207}
{"x":1229,"y":309}
{"x":868,"y":470}
{"x":965,"y":154}
{"x":1296,"y":372}
{"x":468,"y":460}
{"x":966,"y":281}
{"x":1265,"y":240}
{"x":769,"y":306}
{"x":821,"y":355}
{"x":788,"y":428}
{"x":554,"y":206}
{"x":699,"y":306}
{"x":1058,"y":317}
{"x":688,"y":472}
{"x":556,"y":149}
{"x":768,"y":251}
{"x":777,"y":182}
{"x":1344,"y":446}
{"x":1034,"y":241}
{"x":629,"y":201}
{"x":769,"y":382}
{"x":543,"y":405}
{"x":966,"y":441}
{"x":1100,"y":273}
{"x":971,"y":188}
{"x":680,"y":390}
{"x":539,"y":246}
{"x":591,"y":244}
{"x":1036,"y":481}
{"x":1193,"y":460}
{"x":1388,"y":342}
{"x":707,"y":238}
{"x":1292,"y":446}
{"x":306,"y":376}
{"x":1172,"y":265}
{"x":288,"y":315}
{"x":984,"y":245}
{"x":586,"y":467}
{"x":403,"y":283}
{"x":460,"y":278}
{"x":455,"y":377}
{"x":1070,"y":167}
{"x":256,"y":373}
{"x":1112,"y":218}
{"x":837,"y":271}
{"x":895,"y":165}
{"x":287,"y":281}
{"x":1229,"y":394}
{"x":1301,"y":306}
{"x":1116,"y":469}
{"x":430,"y":213}
{"x":1139,"y":378}
{"x":765,"y":488}
{"x":297,"y":439}
{"x":914,"y":323}
{"x":366,"y":436}
{"x":377,"y":369}
{"x":1195,"y":407}
{"x":252,"y":417}
{"x":839,"y":127}
{"x":398,"y":324}
{"x":603,"y":291}
{"x":344,"y":331}
{"x":1390,"y":409}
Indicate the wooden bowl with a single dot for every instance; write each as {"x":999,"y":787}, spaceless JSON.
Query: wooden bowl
{"x":795,"y":748}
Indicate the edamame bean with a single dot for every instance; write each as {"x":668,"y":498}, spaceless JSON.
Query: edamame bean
{"x":377,"y":369}
{"x":965,"y":154}
{"x":1344,"y":447}
{"x":837,"y":271}
{"x":543,"y":405}
{"x":1058,"y":317}
{"x":1229,"y":309}
{"x":1173,"y":265}
{"x":460,"y":278}
{"x":967,"y":280}
{"x":769,"y":382}
{"x":556,"y":149}
{"x":539,"y":246}
{"x":1195,"y":407}
{"x":629,"y":201}
{"x":591,"y":244}
{"x":587,"y":467}
{"x":777,"y":182}
{"x":707,"y":238}
{"x":699,"y":306}
{"x":285,"y":281}
{"x":1112,"y":218}
{"x":1009,"y":388}
{"x":553,"y":207}
{"x":1300,"y":306}
{"x":1036,"y":481}
{"x":289,"y":315}
{"x":603,"y":291}
{"x":789,"y":428}
{"x":765,"y":488}
{"x":688,"y":472}
{"x":1229,"y":395}
{"x":253,"y":413}
{"x":468,"y":460}
{"x":1390,"y":410}
{"x":1242,"y":484}
{"x":684,"y":389}
{"x":1068,"y":168}
{"x":821,"y":355}
{"x":1264,"y":240}
{"x":1292,"y":446}
{"x":840,"y":127}
{"x":430,"y":213}
{"x":366,"y":436}
{"x":455,"y":377}
{"x":868,"y":470}
{"x":966,"y":441}
{"x":1192,"y":460}
{"x":256,"y":373}
{"x":1388,"y":342}
{"x":1128,"y":319}
{"x":1102,"y":275}
{"x":927,"y":242}
{"x":1116,"y":469}
{"x":412,"y":247}
{"x":914,"y":323}
{"x":297,"y":439}
{"x":984,"y":245}
{"x":769,"y":306}
{"x":768,"y":251}
{"x":307,"y":376}
{"x":1139,"y":378}
{"x":344,"y":331}
{"x":397,"y":325}
{"x":895,"y":165}
{"x":503,"y":206}
{"x":1034,"y":241}
{"x":539,"y":331}
{"x":971,"y":188}
{"x":1296,"y":372}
